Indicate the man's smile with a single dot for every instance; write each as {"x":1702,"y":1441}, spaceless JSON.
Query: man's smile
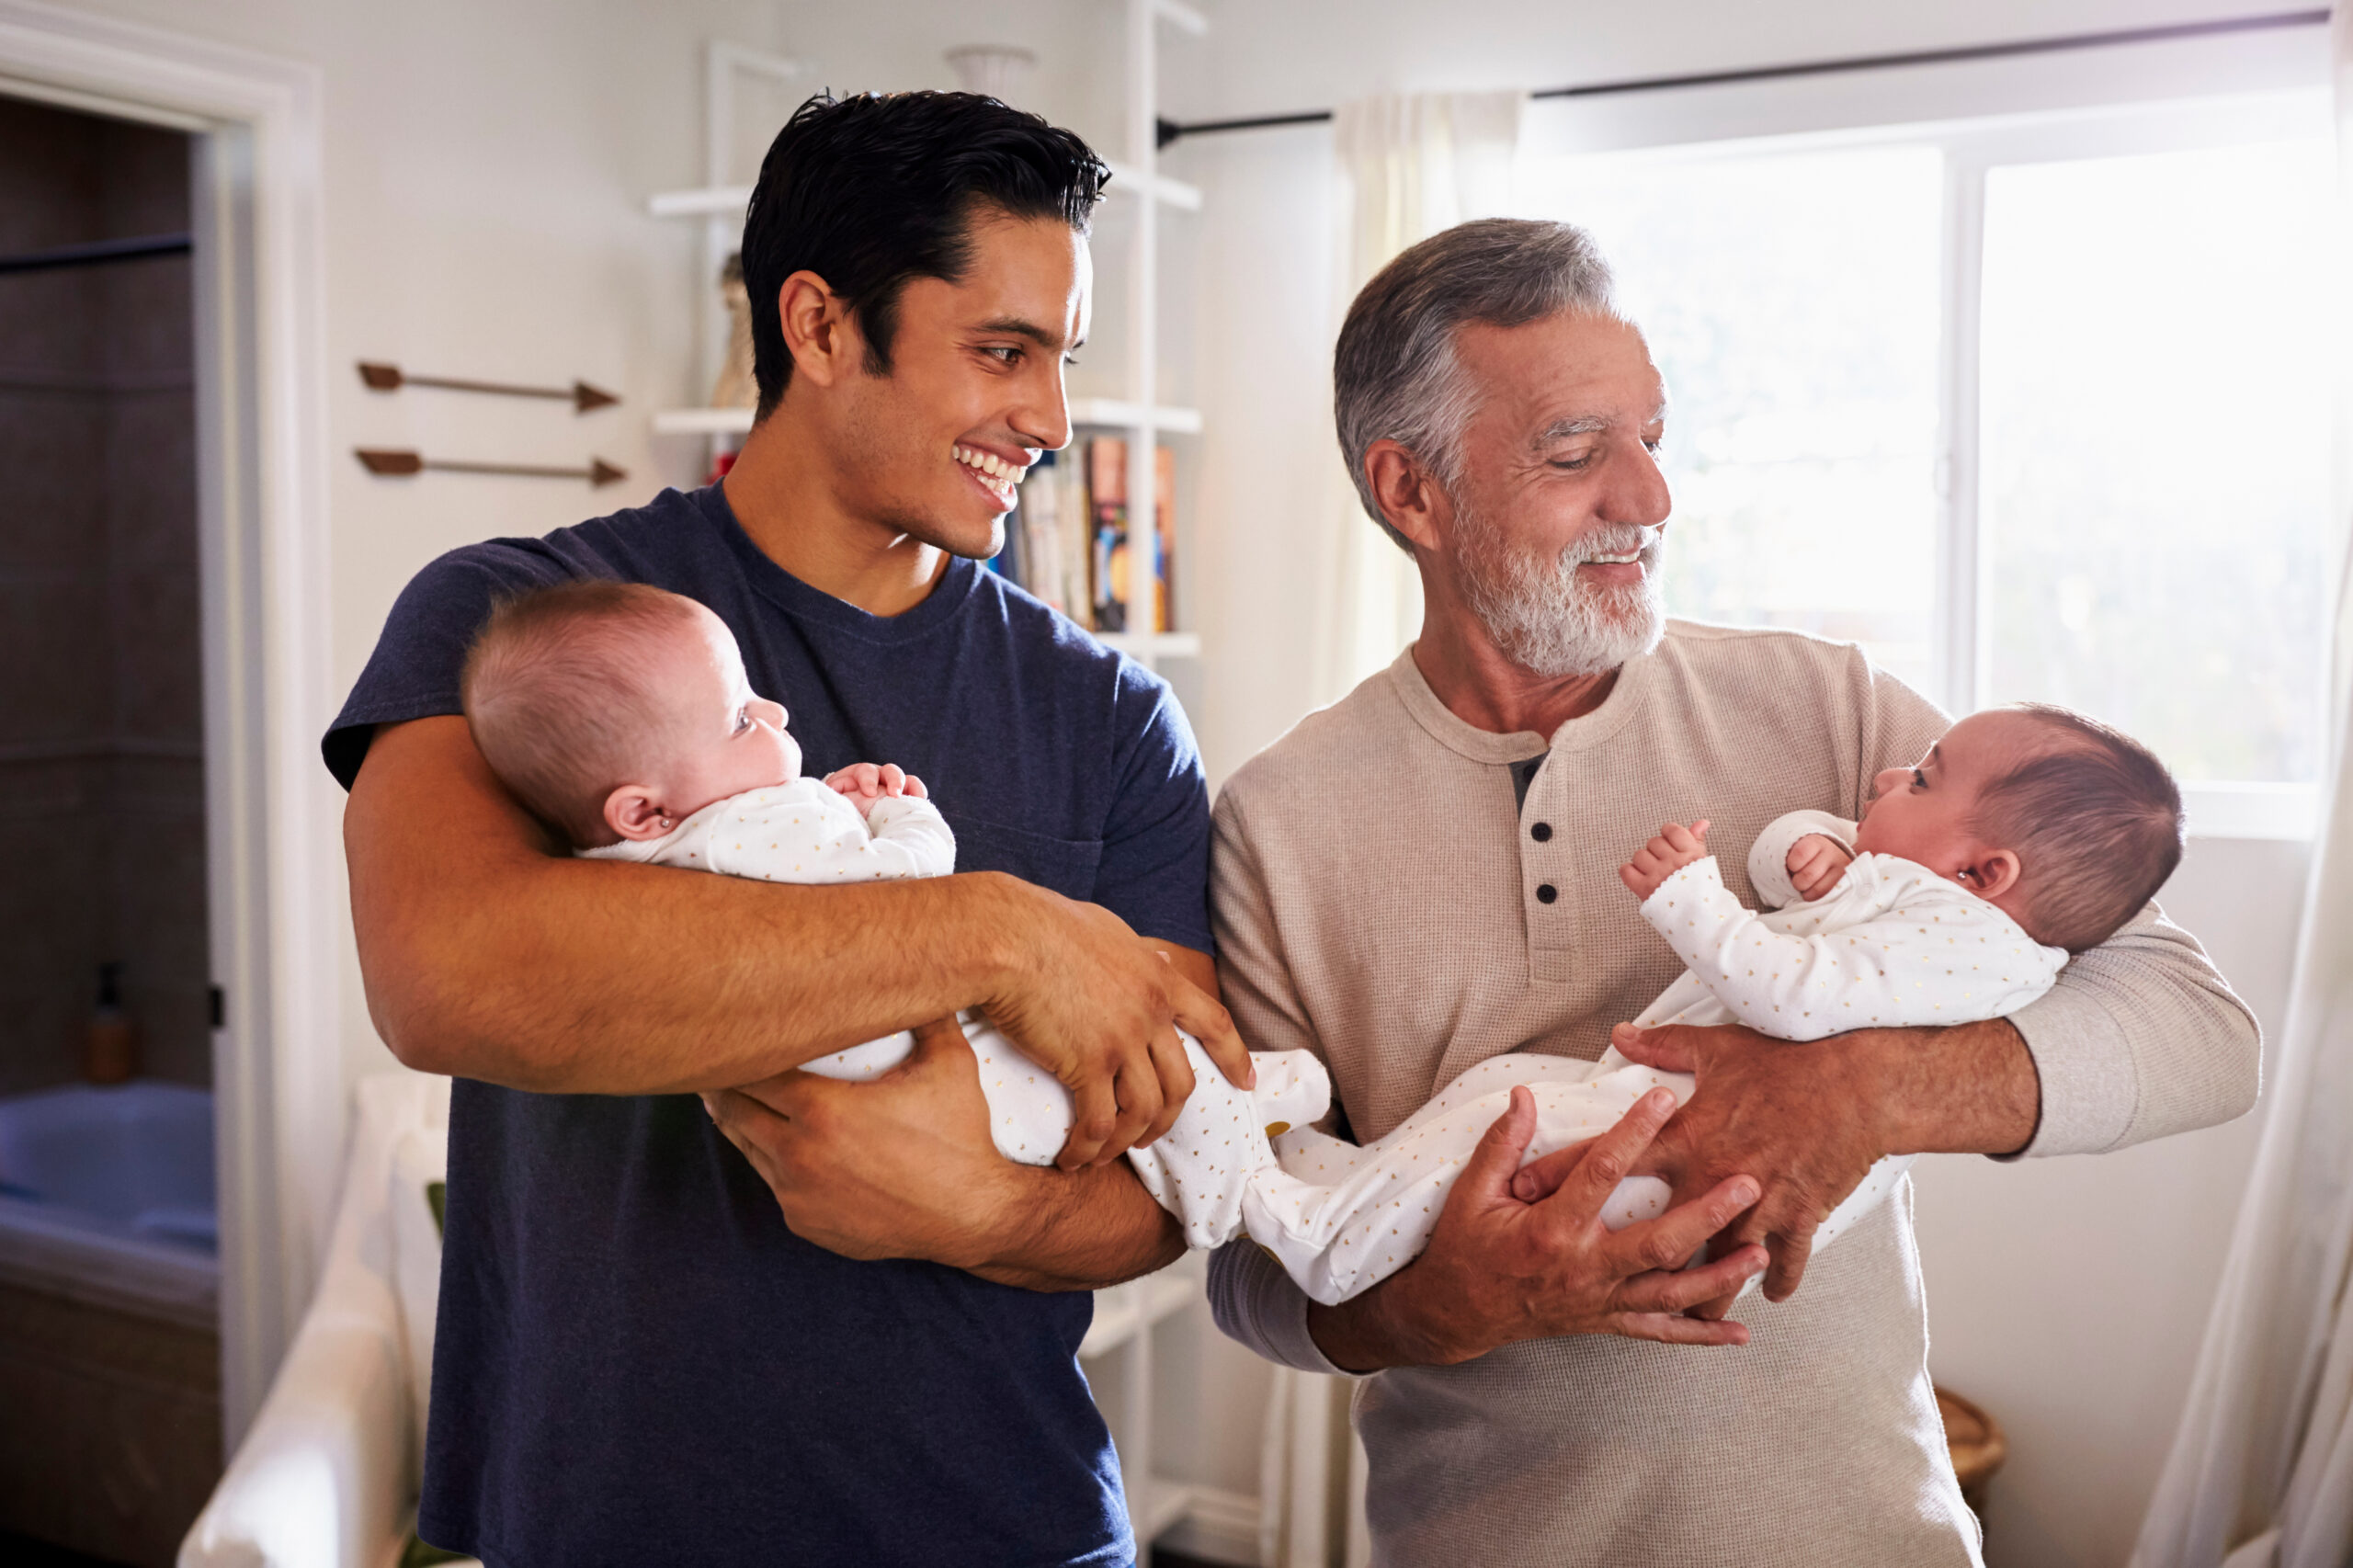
{"x":994,"y":474}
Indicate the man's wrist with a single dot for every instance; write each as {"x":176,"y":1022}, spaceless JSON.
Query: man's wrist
{"x":1384,"y":1327}
{"x":1967,"y":1089}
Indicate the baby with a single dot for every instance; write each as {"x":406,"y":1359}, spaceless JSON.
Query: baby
{"x":623,"y":717}
{"x":2025,"y":835}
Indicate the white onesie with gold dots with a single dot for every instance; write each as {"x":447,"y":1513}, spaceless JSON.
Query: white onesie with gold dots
{"x":1892,"y":944}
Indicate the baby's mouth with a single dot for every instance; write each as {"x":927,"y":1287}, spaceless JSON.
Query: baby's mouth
{"x":1000,"y":477}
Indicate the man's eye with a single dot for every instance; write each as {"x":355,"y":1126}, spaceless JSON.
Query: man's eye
{"x":1004,"y":355}
{"x":1571,"y":465}
{"x":1651,"y":444}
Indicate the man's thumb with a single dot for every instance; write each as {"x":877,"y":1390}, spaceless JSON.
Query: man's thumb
{"x":1494,"y":1160}
{"x":1652,"y":1048}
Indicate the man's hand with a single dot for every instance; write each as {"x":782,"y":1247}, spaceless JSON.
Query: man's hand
{"x":1098,"y":1007}
{"x":1675,"y":848}
{"x":905,"y":1170}
{"x":866,"y":782}
{"x":1498,"y":1271}
{"x":1808,"y":1119}
{"x":1816,"y":864}
{"x":904,"y":1166}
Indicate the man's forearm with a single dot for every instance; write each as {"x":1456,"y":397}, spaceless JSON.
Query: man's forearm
{"x":1084,"y":1229}
{"x":1968,"y":1089}
{"x":489,"y":953}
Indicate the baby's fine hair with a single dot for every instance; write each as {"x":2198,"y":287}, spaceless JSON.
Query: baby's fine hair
{"x":2096,"y":824}
{"x":555,"y":693}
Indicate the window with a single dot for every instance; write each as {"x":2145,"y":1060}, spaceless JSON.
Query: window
{"x":2031,"y":411}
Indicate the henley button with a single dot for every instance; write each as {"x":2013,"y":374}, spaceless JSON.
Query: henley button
{"x":1541,"y":833}
{"x":1546,"y":892}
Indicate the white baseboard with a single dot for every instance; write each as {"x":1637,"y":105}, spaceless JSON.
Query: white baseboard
{"x":1220,"y":1527}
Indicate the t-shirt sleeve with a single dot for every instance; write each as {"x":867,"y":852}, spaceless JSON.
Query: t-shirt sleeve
{"x":1154,"y":869}
{"x":414,"y":672}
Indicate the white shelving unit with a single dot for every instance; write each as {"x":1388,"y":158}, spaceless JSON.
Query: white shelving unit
{"x":1120,"y":1341}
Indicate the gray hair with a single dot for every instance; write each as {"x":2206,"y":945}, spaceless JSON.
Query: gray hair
{"x":1395,"y":375}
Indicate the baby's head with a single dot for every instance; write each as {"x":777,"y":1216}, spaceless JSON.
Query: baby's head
{"x":616,"y":710}
{"x":2066,"y":825}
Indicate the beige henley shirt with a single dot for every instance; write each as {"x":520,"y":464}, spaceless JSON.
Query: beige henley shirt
{"x":1380,"y":899}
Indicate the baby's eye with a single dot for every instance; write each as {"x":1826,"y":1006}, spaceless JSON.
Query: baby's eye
{"x":743,"y":719}
{"x":1919,"y":780}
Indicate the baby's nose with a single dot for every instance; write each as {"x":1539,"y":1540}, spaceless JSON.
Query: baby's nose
{"x":1887,"y":780}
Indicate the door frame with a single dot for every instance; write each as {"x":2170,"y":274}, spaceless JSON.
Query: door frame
{"x":272,"y":863}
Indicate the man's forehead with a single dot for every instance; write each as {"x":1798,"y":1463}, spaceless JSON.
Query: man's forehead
{"x":1569,"y":374}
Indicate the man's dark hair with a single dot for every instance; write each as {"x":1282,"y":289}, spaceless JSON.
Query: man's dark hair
{"x":2097,"y":823}
{"x":871,"y":191}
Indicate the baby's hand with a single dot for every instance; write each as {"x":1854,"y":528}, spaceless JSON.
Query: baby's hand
{"x":1675,"y":848}
{"x":1816,"y":864}
{"x":868,"y":782}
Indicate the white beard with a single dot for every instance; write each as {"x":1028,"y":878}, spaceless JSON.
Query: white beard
{"x":1543,"y":618}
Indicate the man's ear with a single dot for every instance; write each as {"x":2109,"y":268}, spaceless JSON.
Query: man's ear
{"x":819,"y":332}
{"x":1991,"y":874}
{"x":1403,"y":490}
{"x":635,"y":812}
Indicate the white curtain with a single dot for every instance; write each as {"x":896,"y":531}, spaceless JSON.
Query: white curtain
{"x":1407,"y":167}
{"x":2261,"y":1471}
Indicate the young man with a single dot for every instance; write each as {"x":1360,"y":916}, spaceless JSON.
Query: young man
{"x":647,"y":1346}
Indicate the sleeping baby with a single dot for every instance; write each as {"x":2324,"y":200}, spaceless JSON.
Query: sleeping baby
{"x":621,"y":715}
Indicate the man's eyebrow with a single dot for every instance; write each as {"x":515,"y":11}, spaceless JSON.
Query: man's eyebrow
{"x":1015,"y":326}
{"x":1579,"y":425}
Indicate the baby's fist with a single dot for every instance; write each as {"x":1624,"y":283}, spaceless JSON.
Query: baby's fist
{"x":866,"y":782}
{"x":1816,"y":864}
{"x":1675,"y":848}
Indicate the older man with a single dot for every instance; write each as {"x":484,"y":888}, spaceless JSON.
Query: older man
{"x":1424,"y":875}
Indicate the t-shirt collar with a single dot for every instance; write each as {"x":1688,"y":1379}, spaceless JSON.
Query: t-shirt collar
{"x":798,"y":600}
{"x":1587,"y":730}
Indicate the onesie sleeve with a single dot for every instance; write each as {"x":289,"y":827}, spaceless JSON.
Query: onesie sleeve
{"x":903,"y":824}
{"x":1768,"y":857}
{"x":1923,"y":962}
{"x":807,"y":833}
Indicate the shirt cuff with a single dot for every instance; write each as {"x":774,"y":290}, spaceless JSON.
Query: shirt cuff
{"x":2090,"y":1088}
{"x":1257,"y":1304}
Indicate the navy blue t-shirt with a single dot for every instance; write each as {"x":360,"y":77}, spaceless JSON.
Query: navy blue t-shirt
{"x":636,"y":1360}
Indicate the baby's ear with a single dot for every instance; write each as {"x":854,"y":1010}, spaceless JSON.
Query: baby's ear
{"x":1993,"y":873}
{"x":632,"y":812}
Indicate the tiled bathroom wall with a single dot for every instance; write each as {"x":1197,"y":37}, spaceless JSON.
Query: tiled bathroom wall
{"x":101,"y":728}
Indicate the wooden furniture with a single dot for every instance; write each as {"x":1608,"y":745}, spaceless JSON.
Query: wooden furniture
{"x":1977,"y":1444}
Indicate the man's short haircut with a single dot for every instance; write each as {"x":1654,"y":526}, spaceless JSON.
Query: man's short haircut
{"x":555,"y":692}
{"x":2096,"y":822}
{"x":871,"y":191}
{"x":1395,"y":375}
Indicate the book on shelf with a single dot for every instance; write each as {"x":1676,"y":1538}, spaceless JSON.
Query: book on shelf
{"x":1067,"y":541}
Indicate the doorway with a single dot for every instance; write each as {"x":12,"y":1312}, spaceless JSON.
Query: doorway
{"x":110,"y":1341}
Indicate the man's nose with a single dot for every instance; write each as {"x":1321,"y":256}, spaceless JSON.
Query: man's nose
{"x":1043,"y":418}
{"x":1639,"y":494}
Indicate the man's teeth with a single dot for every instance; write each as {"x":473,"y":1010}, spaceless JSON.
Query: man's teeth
{"x":1006,"y":474}
{"x":1627,"y":559}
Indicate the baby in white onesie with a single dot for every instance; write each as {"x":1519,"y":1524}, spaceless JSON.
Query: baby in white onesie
{"x":2024,"y":836}
{"x":621,"y":715}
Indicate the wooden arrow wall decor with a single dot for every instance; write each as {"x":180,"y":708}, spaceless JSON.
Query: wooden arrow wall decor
{"x":400,"y":464}
{"x":390,"y":377}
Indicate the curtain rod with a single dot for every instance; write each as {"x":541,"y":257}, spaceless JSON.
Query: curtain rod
{"x":97,"y":253}
{"x":1170,"y":131}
